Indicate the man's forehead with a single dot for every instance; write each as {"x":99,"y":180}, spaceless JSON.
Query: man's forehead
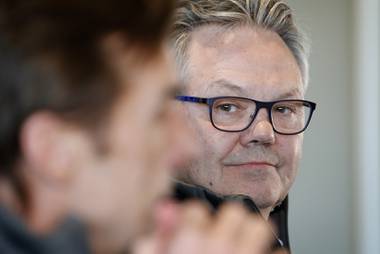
{"x":243,"y":62}
{"x":223,"y":87}
{"x":217,"y":36}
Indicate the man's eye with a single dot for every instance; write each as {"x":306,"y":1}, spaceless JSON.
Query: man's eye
{"x":230,"y":108}
{"x":284,"y":110}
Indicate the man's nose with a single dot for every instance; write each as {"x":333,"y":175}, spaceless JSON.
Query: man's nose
{"x":260,"y":131}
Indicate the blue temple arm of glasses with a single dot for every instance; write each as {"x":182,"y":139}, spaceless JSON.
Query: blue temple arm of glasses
{"x":192,"y":99}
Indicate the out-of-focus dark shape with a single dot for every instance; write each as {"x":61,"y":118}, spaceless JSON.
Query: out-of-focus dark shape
{"x":51,"y":59}
{"x":70,"y":144}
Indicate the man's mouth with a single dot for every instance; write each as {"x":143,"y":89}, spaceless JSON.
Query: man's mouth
{"x":252,"y":165}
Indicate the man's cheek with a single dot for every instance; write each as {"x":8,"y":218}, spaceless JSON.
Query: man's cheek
{"x":290,"y":161}
{"x":223,"y":144}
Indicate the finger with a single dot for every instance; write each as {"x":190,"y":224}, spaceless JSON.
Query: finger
{"x":146,"y":246}
{"x":229,"y":222}
{"x":255,"y":237}
{"x":195,"y":215}
{"x":194,"y":220}
{"x":187,"y":241}
{"x":166,"y":216}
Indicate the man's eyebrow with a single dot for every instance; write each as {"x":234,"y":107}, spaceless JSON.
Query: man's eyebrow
{"x":223,"y":83}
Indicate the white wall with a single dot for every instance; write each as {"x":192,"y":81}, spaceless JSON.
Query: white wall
{"x":321,"y":205}
{"x":335,"y":203}
{"x":366,"y":125}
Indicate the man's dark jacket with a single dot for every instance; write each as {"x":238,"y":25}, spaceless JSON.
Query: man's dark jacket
{"x":279,"y":216}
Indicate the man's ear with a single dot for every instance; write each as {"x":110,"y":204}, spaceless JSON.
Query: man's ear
{"x":49,"y":147}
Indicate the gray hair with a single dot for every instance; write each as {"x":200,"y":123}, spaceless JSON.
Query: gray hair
{"x":272,"y":15}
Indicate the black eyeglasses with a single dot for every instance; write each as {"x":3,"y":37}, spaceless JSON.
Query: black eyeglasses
{"x":235,"y":114}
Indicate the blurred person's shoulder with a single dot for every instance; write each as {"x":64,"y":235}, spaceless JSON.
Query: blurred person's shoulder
{"x":16,"y":238}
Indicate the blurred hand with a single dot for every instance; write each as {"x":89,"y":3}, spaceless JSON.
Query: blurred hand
{"x":190,"y":229}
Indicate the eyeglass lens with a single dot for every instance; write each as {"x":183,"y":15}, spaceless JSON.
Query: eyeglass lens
{"x":235,"y":114}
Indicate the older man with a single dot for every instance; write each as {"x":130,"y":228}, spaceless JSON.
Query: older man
{"x":244,"y":63}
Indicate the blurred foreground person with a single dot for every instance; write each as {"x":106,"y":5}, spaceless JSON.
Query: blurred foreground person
{"x":86,"y":134}
{"x":84,"y":123}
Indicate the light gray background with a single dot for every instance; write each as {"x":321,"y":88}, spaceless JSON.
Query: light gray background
{"x":324,"y":215}
{"x":321,"y":201}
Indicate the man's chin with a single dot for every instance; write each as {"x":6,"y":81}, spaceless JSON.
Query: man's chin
{"x":265,"y":198}
{"x":263,"y":194}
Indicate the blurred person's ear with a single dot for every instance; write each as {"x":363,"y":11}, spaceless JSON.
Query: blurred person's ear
{"x":51,"y":147}
{"x":119,"y":54}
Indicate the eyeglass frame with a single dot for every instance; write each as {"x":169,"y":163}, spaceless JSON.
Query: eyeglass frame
{"x":259,"y":105}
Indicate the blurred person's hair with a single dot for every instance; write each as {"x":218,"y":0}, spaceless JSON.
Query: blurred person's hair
{"x":50,"y":59}
{"x":272,"y":15}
